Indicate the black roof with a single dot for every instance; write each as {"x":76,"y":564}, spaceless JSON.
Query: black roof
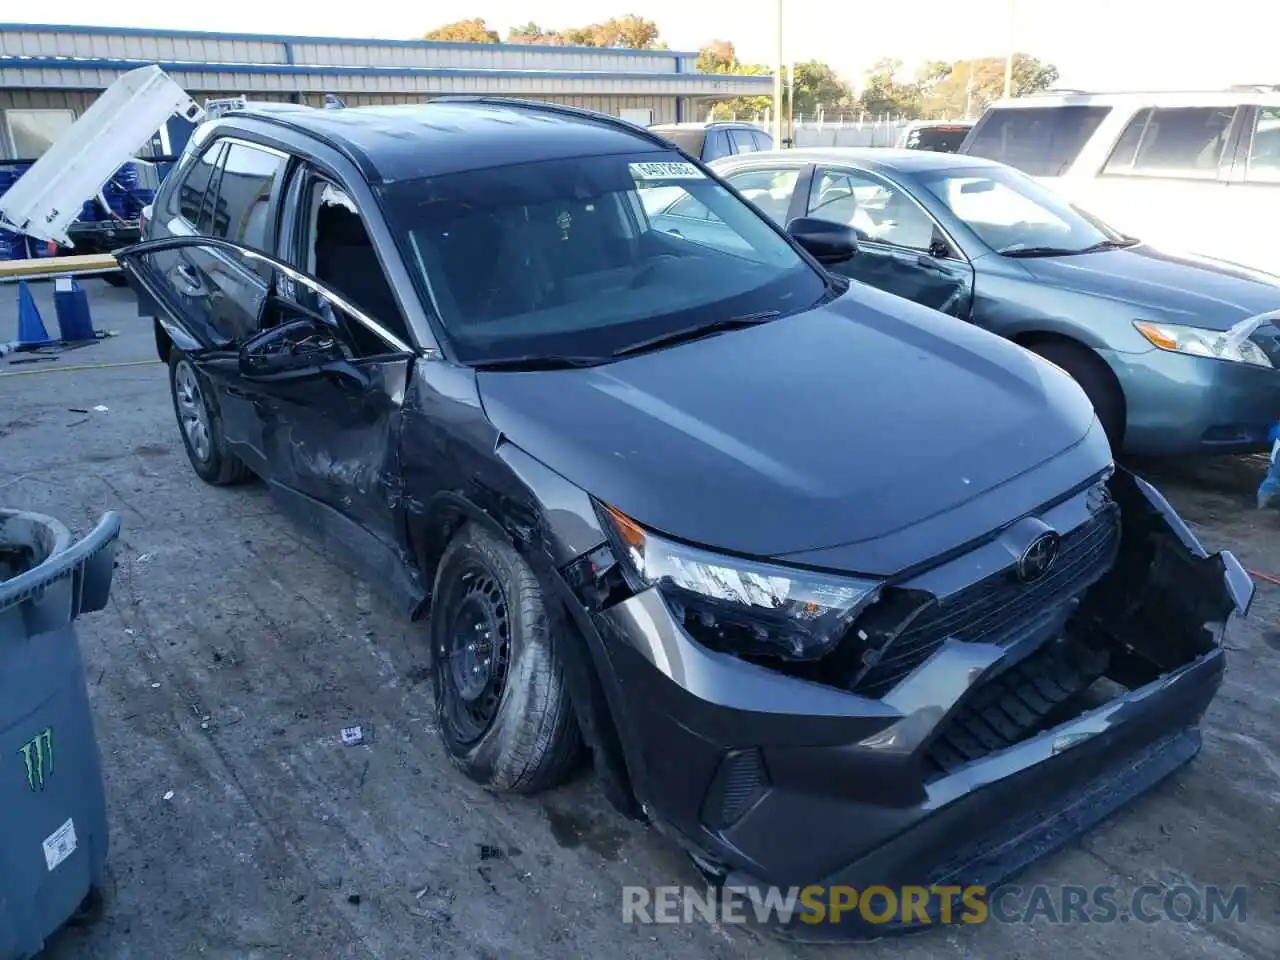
{"x":453,"y":135}
{"x":874,"y":158}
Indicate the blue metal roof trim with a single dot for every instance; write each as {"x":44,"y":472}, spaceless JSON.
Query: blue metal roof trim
{"x":192,"y":66}
{"x":353,"y":41}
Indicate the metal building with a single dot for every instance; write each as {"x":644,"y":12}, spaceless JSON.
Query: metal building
{"x":49,"y":73}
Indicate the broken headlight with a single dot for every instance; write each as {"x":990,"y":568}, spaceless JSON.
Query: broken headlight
{"x":1217,"y":344}
{"x":741,"y":606}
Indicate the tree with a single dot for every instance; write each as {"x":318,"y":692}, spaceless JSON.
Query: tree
{"x":884,"y":92}
{"x":719,"y":56}
{"x":972,"y":85}
{"x":465,"y":31}
{"x":818,"y":85}
{"x":532,"y":33}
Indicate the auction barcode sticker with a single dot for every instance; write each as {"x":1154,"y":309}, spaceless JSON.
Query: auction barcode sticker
{"x":665,"y":170}
{"x":60,"y":844}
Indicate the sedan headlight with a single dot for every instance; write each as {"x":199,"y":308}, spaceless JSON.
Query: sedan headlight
{"x":741,"y":606}
{"x":1217,"y":344}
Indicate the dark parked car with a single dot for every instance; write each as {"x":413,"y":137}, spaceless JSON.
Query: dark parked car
{"x":711,"y":141}
{"x":1178,"y":354}
{"x":940,"y":136}
{"x":822,"y":578}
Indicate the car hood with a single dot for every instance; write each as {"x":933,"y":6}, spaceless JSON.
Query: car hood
{"x":834,"y":426}
{"x":1198,"y":291}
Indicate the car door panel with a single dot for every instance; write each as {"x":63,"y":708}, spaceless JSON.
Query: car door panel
{"x":334,"y":437}
{"x":183,"y":296}
{"x":327,"y":436}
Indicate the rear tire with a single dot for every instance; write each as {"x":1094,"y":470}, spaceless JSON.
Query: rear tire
{"x":1097,"y":381}
{"x":502,"y":702}
{"x":201,"y":426}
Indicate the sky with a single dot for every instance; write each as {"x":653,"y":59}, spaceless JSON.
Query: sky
{"x":1096,"y":44}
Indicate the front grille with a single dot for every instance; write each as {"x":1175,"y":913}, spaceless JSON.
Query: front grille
{"x":1013,"y":706}
{"x":1000,"y":608}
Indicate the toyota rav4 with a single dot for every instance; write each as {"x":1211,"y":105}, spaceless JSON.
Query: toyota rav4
{"x":836,"y":589}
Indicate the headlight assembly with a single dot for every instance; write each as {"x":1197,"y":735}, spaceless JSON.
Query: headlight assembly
{"x":741,"y":606}
{"x":1216,"y":344}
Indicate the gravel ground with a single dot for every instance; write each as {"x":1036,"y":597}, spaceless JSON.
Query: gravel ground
{"x":234,"y":652}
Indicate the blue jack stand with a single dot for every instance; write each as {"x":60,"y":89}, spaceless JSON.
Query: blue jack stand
{"x":72,"y":305}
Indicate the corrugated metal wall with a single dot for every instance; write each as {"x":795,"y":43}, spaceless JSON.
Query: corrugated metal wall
{"x":27,"y":40}
{"x":276,"y":80}
{"x":77,"y":100}
{"x":664,"y":108}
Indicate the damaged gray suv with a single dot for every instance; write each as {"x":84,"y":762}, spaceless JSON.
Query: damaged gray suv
{"x":835,"y":589}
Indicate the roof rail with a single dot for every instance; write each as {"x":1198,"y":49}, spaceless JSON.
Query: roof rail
{"x":557,"y":108}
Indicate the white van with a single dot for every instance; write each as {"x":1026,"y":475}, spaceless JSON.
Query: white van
{"x":1191,"y":172}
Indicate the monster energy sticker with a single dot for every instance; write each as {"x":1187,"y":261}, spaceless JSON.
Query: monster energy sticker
{"x":37,"y":759}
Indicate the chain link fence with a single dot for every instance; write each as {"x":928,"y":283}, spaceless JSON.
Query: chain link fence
{"x":839,"y":129}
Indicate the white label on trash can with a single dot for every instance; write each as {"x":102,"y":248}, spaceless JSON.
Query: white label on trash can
{"x":60,"y":844}
{"x":62,"y":285}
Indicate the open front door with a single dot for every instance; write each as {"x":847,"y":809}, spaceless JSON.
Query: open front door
{"x":309,"y":386}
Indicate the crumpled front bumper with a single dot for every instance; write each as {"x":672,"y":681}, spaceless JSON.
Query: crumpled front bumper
{"x":774,"y":781}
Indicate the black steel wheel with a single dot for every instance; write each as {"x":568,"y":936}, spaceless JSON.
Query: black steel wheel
{"x":474,"y":651}
{"x":502,"y":703}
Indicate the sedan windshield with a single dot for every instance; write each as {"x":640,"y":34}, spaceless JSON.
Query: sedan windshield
{"x":561,"y":258}
{"x":1015,"y":215}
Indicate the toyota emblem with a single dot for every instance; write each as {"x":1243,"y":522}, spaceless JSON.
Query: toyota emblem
{"x":1038,"y":557}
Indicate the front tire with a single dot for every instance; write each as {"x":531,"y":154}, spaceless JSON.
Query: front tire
{"x":201,"y":426}
{"x":502,"y":703}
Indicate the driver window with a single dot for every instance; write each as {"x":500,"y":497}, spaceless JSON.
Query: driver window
{"x":340,"y":254}
{"x":877,"y":211}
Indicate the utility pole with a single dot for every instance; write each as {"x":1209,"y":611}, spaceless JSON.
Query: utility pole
{"x":777,"y":83}
{"x":1008,"y":63}
{"x":791,"y":103}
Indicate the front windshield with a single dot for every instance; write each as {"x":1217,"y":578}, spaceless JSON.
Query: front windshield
{"x":569,"y":258}
{"x":1010,"y":212}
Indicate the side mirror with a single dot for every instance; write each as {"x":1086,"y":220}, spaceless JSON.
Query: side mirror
{"x":829,"y":242}
{"x":297,"y":349}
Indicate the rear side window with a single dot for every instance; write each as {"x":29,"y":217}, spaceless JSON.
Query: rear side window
{"x":1126,"y":148}
{"x":194,"y":186}
{"x":249,"y":179}
{"x":742,"y":141}
{"x":1264,"y":147}
{"x":1040,"y":141}
{"x":689,"y":140}
{"x":762,"y":139}
{"x":717,"y":146}
{"x":1178,"y":142}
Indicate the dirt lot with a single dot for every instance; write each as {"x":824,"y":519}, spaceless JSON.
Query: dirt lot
{"x":234,"y":652}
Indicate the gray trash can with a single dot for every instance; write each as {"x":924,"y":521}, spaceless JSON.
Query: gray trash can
{"x":53,"y":819}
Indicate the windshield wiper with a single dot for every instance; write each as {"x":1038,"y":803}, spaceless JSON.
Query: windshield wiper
{"x":538,"y":361}
{"x":1038,"y":252}
{"x":1117,"y":244}
{"x":697,"y":331}
{"x":1109,"y":244}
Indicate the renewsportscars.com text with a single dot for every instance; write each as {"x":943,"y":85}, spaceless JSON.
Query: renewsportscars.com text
{"x":1010,"y":904}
